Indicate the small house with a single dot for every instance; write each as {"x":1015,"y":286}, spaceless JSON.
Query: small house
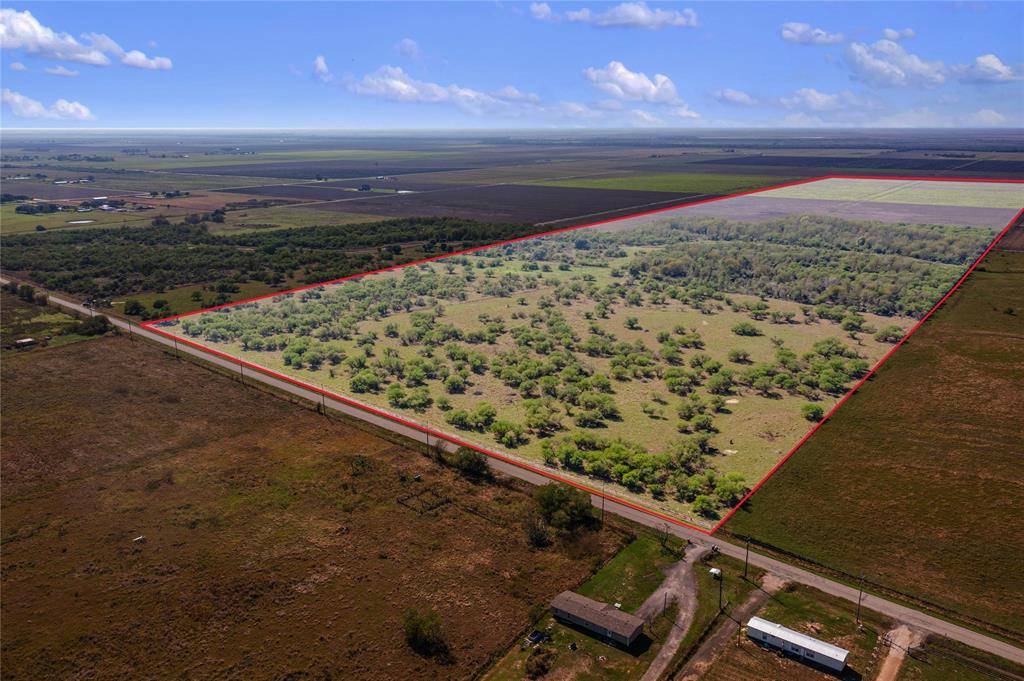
{"x":797,"y":645}
{"x":600,"y":618}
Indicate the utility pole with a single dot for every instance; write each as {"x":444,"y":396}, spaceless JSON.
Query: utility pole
{"x":859,"y":597}
{"x":177,"y":355}
{"x":721,"y":582}
{"x":746,"y":559}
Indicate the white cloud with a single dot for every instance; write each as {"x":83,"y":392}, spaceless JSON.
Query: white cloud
{"x":407,"y":47}
{"x":986,"y":118}
{"x":805,"y":34}
{"x":542,"y":11}
{"x":104,"y":43}
{"x":513,"y":94}
{"x":61,"y":71}
{"x":734,"y":97}
{"x":809,"y":99}
{"x":18,"y":66}
{"x":576,"y":110}
{"x":644,"y":118}
{"x":921,"y":117}
{"x":684,"y":111}
{"x":897,"y":35}
{"x":321,"y":70}
{"x":392,"y":82}
{"x":886,"y":64}
{"x":139,"y":60}
{"x":21,"y":30}
{"x":988,"y":68}
{"x":26,"y":107}
{"x":633,"y":15}
{"x":621,"y":83}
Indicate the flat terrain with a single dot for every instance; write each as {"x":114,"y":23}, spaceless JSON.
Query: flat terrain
{"x":557,"y":337}
{"x":47,"y":325}
{"x":273,"y":542}
{"x":916,"y":481}
{"x":814,"y":613}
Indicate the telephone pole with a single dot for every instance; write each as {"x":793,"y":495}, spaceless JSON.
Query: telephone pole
{"x":860,"y":596}
{"x":721,"y":582}
{"x":746,"y":559}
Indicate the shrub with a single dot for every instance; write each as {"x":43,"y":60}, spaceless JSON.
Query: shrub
{"x":746,"y":329}
{"x":423,"y":633}
{"x":813,"y":412}
{"x":470,"y":463}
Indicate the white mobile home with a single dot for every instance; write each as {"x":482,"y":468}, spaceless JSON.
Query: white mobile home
{"x":796,"y":644}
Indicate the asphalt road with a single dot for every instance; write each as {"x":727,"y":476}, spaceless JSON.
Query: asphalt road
{"x":790,"y":573}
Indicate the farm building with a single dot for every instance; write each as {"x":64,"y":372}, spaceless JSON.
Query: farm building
{"x":799,"y":645}
{"x":600,"y":618}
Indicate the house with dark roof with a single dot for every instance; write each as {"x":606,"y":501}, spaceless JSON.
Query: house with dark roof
{"x":600,"y":618}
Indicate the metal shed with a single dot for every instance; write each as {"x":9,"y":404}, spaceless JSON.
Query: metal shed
{"x":796,"y":644}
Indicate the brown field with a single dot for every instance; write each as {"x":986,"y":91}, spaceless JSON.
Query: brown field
{"x":916,"y":482}
{"x":512,"y":203}
{"x":274,"y":545}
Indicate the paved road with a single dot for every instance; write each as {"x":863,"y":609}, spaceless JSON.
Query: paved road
{"x":790,"y":573}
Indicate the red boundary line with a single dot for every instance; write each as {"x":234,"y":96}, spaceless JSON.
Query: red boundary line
{"x":151,"y":326}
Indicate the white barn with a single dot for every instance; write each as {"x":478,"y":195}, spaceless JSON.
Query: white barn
{"x":796,"y":644}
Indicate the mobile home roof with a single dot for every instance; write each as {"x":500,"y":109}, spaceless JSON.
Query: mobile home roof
{"x":790,"y":636}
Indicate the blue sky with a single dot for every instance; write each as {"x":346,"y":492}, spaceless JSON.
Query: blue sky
{"x":511,"y":65}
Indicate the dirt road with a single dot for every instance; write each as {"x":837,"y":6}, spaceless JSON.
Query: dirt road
{"x":901,"y":613}
{"x":680,"y":586}
{"x":727,"y":628}
{"x":900,"y":639}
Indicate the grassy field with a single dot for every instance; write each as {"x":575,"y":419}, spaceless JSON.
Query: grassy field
{"x":19,"y":319}
{"x":629,"y":579}
{"x":180,"y":300}
{"x":972,"y":194}
{"x":18,"y":223}
{"x":272,"y":545}
{"x":697,"y":183}
{"x":927,"y":456}
{"x":815,"y":613}
{"x":946,"y":660}
{"x":752,"y":432}
{"x":634,"y":573}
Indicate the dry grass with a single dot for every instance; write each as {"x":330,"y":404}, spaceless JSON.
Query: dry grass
{"x":274,"y":544}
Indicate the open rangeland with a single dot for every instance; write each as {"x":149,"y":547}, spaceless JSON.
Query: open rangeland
{"x":162,"y":520}
{"x":675,"y":359}
{"x":915,"y":483}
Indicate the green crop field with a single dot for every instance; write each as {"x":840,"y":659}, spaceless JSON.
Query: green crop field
{"x":927,"y":455}
{"x":642,"y":360}
{"x":697,"y":183}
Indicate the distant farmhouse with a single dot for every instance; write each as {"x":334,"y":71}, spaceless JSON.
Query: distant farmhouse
{"x":600,"y":618}
{"x":796,"y":644}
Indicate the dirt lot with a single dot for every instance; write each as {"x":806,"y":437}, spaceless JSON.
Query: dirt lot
{"x":161,"y":520}
{"x":919,"y":474}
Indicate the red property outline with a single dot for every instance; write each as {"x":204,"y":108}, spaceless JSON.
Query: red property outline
{"x":152,"y":326}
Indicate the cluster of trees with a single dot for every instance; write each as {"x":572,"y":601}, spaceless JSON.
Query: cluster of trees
{"x":38,"y":208}
{"x":126,"y":260}
{"x":552,"y":361}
